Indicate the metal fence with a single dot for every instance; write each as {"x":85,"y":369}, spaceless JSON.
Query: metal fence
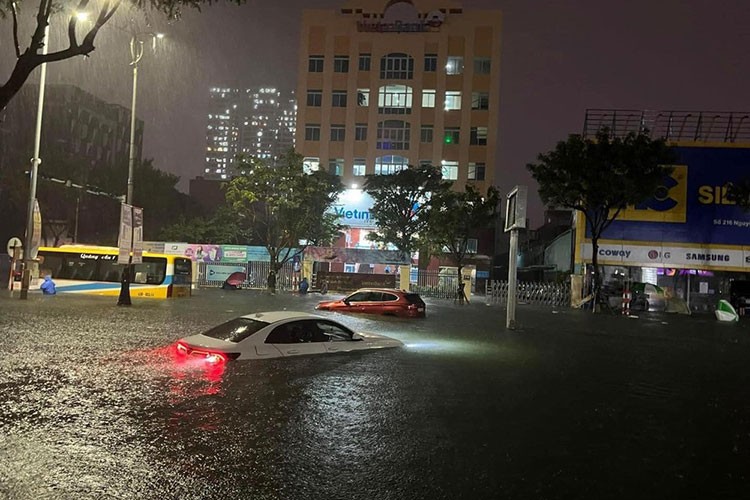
{"x":213,"y":274}
{"x":546,"y":294}
{"x":435,"y":284}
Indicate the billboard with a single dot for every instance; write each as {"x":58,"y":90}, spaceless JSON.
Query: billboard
{"x":689,"y":222}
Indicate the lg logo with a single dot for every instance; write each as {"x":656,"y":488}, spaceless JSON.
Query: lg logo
{"x":654,"y":254}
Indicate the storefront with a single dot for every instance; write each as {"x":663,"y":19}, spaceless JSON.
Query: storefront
{"x":689,"y":238}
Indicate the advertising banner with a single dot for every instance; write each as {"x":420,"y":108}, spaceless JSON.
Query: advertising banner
{"x":36,"y":233}
{"x":125,"y":239}
{"x":220,"y":272}
{"x":137,"y":235}
{"x":670,"y":256}
{"x":691,"y":205}
{"x":234,"y":253}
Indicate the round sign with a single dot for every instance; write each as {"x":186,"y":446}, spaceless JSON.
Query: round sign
{"x":14,"y":243}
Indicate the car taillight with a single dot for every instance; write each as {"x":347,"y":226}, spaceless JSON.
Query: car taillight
{"x":412,"y":306}
{"x":215,"y":358}
{"x":182,"y":349}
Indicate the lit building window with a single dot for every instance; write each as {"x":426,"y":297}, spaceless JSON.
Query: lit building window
{"x":396,"y":67}
{"x":428,"y":98}
{"x":310,"y":164}
{"x":452,"y":135}
{"x":455,"y":65}
{"x":359,"y":167}
{"x":386,"y":165}
{"x":452,"y":100}
{"x":393,"y":134}
{"x":363,"y":97}
{"x":478,"y":136}
{"x":395,"y":99}
{"x":449,"y":170}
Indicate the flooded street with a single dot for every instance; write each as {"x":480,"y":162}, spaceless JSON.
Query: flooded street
{"x":94,"y":405}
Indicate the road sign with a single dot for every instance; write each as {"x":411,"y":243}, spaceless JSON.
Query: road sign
{"x":14,"y":243}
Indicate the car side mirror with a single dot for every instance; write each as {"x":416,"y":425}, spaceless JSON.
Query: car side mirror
{"x":346,"y":301}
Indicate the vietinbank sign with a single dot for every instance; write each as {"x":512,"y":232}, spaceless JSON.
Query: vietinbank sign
{"x":690,"y":257}
{"x":352,"y":208}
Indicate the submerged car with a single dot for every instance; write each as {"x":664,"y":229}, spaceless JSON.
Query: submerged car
{"x":385,"y":301}
{"x":277,"y":334}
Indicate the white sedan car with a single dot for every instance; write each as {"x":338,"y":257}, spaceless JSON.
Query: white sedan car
{"x":277,"y":334}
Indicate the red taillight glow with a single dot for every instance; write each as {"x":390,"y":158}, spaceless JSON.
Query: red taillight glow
{"x":215,"y":358}
{"x":182,"y":349}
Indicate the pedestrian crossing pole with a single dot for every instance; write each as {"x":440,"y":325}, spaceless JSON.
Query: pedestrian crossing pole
{"x":515,"y":219}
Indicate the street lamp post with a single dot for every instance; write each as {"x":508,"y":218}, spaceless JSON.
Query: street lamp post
{"x":136,"y":54}
{"x":35,"y":161}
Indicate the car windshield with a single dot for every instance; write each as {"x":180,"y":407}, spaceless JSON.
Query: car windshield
{"x":235,"y":330}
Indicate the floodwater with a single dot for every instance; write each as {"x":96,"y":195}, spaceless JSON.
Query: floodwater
{"x":571,"y":405}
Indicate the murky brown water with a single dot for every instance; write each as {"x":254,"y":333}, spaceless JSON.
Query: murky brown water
{"x":93,"y":405}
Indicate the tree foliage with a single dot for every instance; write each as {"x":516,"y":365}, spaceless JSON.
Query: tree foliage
{"x":283,"y":206}
{"x":80,"y":40}
{"x":739,"y":193}
{"x":402,"y":204}
{"x":600,"y":177}
{"x":456,"y":216}
{"x":222,"y":227}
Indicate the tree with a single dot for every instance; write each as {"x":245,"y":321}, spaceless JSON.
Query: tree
{"x":455,"y":217}
{"x":222,"y":227}
{"x":600,"y":177}
{"x":283,"y":206}
{"x":29,"y":58}
{"x":402,"y":203}
{"x":739,"y":193}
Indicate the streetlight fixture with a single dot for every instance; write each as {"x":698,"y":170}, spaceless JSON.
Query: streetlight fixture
{"x":136,"y":54}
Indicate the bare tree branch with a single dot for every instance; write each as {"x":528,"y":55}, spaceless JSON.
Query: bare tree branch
{"x":15,"y":29}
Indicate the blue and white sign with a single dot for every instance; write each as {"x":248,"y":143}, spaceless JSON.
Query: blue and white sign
{"x":691,"y":206}
{"x":219,"y":272}
{"x":353,"y":209}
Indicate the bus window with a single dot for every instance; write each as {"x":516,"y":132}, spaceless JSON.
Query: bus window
{"x":152,"y":270}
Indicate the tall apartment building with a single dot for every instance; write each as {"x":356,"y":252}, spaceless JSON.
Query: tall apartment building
{"x":386,"y":84}
{"x":257,"y":122}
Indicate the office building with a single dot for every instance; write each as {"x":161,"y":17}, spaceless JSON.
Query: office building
{"x":383,"y":85}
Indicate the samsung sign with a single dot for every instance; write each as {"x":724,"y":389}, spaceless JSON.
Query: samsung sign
{"x":353,"y":209}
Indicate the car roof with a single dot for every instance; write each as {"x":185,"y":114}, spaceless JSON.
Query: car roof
{"x":391,"y":290}
{"x":274,"y":316}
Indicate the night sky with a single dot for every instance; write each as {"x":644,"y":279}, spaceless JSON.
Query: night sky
{"x":558,"y":59}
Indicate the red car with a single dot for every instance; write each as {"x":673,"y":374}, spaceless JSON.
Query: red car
{"x":385,"y":301}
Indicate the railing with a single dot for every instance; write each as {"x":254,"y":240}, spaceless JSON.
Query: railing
{"x":438,"y":285}
{"x":213,"y":275}
{"x":678,"y":126}
{"x":546,"y":294}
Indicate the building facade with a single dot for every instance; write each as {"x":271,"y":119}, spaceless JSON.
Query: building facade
{"x":383,"y":85}
{"x":689,"y":238}
{"x":256,"y":122}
